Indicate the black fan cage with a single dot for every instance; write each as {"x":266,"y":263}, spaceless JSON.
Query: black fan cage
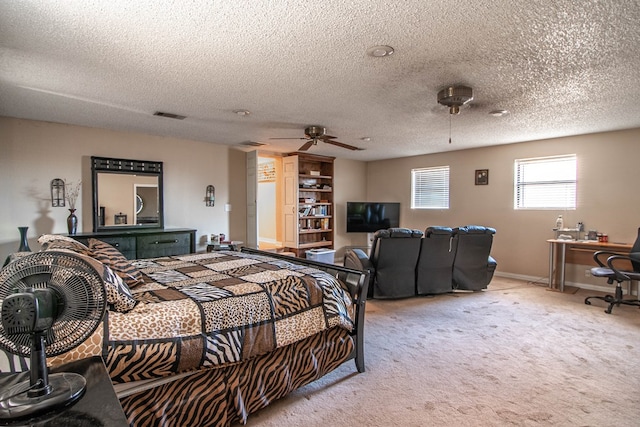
{"x":76,"y":282}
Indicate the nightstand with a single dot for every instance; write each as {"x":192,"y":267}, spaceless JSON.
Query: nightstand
{"x":233,"y":245}
{"x":99,"y":406}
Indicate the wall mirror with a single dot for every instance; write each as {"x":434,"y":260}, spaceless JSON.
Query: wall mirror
{"x":127,"y":194}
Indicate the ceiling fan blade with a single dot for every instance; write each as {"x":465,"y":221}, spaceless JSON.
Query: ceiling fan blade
{"x":343,"y":145}
{"x":306,"y":146}
{"x":323,"y":137}
{"x":288,"y":138}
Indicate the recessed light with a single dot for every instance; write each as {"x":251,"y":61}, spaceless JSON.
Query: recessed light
{"x":498,"y":113}
{"x":366,"y":138}
{"x":380,"y":51}
{"x":242,"y":112}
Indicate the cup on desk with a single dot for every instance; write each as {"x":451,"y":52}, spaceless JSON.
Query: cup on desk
{"x":603,"y":238}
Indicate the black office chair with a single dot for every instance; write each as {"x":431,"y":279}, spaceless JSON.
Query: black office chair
{"x":615,"y":273}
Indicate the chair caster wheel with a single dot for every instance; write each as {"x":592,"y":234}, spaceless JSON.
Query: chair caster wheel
{"x":587,"y":302}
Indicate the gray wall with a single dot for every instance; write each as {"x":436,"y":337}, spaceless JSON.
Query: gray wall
{"x":607,"y":200}
{"x":34,"y":153}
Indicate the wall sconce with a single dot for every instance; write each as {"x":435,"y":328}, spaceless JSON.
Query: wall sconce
{"x":57,"y":193}
{"x":210,"y":196}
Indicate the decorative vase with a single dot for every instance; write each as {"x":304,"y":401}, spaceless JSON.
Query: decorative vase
{"x":72,"y":222}
{"x":24,"y":243}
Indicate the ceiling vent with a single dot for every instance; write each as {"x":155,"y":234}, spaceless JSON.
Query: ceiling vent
{"x":169,"y":115}
{"x":252,"y":144}
{"x":455,"y":97}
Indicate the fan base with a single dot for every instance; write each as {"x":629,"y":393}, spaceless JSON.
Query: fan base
{"x":67,"y":388}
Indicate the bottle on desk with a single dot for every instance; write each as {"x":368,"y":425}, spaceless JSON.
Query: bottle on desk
{"x":559,"y":222}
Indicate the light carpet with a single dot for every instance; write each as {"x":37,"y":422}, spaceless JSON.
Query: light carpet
{"x":516,"y":354}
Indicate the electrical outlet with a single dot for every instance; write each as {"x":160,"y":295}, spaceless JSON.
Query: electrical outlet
{"x":587,"y":273}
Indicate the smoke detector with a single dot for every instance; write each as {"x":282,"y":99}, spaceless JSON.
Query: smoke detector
{"x":455,"y":97}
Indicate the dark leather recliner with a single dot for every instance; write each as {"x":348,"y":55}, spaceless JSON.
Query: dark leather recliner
{"x":473,"y":267}
{"x":392,"y":262}
{"x":434,"y":273}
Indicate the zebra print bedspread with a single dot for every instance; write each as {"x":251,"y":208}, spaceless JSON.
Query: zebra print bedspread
{"x":204,"y":310}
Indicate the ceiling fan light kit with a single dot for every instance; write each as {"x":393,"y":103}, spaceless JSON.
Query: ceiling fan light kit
{"x":455,"y":97}
{"x":315,"y":133}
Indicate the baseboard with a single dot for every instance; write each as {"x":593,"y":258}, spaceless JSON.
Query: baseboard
{"x":545,"y":281}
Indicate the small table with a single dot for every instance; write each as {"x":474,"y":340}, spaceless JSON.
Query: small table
{"x":99,"y":406}
{"x":233,"y":245}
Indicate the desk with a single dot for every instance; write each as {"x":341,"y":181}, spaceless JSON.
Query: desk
{"x":577,"y":252}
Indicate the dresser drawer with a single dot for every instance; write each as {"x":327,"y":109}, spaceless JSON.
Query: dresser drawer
{"x":163,"y":244}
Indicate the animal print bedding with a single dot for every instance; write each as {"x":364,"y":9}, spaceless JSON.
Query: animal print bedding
{"x":218,"y":308}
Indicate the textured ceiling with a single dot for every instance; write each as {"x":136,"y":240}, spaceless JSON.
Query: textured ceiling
{"x":561,"y":67}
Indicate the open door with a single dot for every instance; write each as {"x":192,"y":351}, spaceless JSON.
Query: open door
{"x":290,"y":211}
{"x":252,"y":196}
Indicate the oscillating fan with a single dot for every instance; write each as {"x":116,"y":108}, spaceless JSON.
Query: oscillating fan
{"x":51,"y":302}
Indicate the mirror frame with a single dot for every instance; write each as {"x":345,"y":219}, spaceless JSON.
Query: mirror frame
{"x":131,"y":167}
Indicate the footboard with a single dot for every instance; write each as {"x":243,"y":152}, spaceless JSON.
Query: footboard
{"x":356,"y":283}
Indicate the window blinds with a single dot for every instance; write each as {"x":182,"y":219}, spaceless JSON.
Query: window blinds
{"x":430,"y":188}
{"x":546,"y":183}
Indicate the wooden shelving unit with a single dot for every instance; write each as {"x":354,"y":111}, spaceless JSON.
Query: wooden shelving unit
{"x":309,"y":208}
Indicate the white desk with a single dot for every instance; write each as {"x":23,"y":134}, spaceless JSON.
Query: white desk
{"x":576,"y":252}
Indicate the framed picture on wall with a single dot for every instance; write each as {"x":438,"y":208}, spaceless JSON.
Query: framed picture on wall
{"x":482,"y":176}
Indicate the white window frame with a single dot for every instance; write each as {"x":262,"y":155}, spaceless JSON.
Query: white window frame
{"x":546,"y":183}
{"x":430,"y":188}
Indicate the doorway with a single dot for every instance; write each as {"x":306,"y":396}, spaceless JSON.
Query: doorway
{"x":269,"y":202}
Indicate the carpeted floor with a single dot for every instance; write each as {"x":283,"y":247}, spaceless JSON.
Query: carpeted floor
{"x":514,"y":355}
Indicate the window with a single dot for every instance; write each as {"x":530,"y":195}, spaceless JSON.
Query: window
{"x":546,"y":183}
{"x":430,"y":188}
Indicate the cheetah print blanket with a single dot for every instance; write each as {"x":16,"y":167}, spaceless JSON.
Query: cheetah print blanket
{"x":213,"y":309}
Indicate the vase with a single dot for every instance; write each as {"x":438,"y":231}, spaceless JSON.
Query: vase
{"x":24,"y":243}
{"x":72,"y":222}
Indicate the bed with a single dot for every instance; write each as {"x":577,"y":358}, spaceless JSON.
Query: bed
{"x":206,"y":339}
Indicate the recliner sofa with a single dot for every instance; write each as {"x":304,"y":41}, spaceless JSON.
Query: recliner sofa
{"x":473,"y":266}
{"x":434,"y":272}
{"x":402,"y":263}
{"x":391,"y":263}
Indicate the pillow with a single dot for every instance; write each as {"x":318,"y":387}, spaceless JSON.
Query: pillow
{"x":118,"y":293}
{"x":113,"y":258}
{"x":50,"y":237}
{"x":53,"y":242}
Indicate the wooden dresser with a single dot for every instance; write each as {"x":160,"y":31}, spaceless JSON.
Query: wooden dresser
{"x":149,"y":243}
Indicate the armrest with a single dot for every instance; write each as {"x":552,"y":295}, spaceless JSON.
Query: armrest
{"x":601,"y":262}
{"x":492,"y":264}
{"x":358,"y":260}
{"x":622,"y":274}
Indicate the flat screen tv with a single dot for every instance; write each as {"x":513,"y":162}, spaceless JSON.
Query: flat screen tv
{"x":369,"y":217}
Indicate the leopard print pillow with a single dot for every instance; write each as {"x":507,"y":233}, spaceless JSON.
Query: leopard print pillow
{"x":113,"y":258}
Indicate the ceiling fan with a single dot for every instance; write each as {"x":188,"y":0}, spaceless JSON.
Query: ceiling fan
{"x":316,"y":133}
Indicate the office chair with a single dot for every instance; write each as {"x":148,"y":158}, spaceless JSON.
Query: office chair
{"x":615,"y":273}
